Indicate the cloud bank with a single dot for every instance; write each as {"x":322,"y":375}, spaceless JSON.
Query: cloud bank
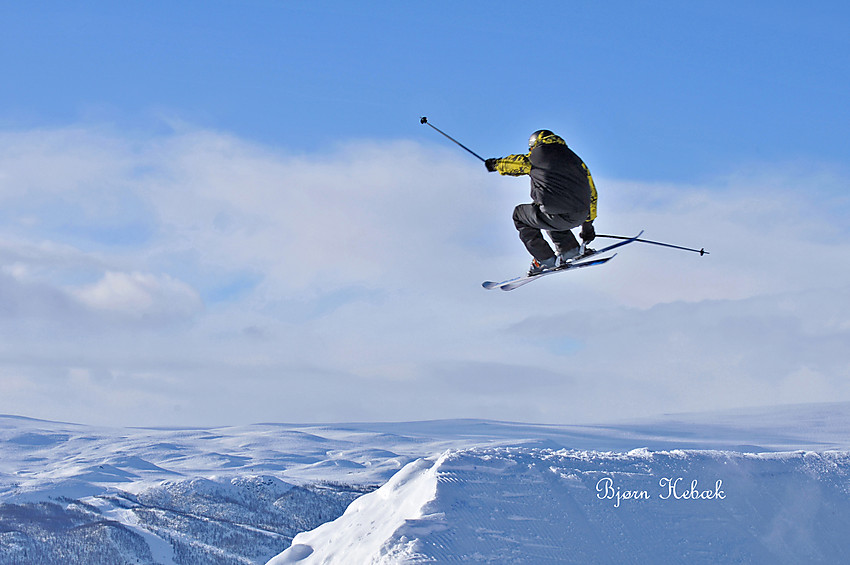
{"x":197,"y":278}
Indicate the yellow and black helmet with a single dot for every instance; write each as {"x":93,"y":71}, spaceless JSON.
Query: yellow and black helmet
{"x":537,"y":136}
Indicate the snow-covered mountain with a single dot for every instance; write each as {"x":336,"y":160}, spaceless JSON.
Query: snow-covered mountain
{"x":766,"y":486}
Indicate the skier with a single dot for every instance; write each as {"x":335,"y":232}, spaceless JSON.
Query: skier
{"x":563,"y":197}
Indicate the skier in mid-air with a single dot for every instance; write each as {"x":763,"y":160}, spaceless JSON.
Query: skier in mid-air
{"x":563,"y":197}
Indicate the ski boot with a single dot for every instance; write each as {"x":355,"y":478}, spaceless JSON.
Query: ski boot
{"x":571,"y":255}
{"x":538,"y":267}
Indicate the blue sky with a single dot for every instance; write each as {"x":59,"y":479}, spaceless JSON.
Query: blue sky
{"x":652,"y":90}
{"x":226,"y":212}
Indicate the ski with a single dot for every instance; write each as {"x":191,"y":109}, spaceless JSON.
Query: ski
{"x":524,"y":280}
{"x":578,"y":263}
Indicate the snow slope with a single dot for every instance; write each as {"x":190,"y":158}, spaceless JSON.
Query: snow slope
{"x":364,"y":530}
{"x":461,"y":490}
{"x":537,"y":506}
{"x":732,"y":497}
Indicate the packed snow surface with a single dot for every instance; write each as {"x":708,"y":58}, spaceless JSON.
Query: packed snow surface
{"x":758,"y":486}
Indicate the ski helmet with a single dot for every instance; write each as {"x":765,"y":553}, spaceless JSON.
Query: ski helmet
{"x":536,"y":136}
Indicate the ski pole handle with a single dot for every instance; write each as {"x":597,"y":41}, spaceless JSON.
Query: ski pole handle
{"x":424,"y":120}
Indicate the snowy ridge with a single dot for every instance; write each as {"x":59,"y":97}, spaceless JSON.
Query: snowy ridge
{"x":382,"y":528}
{"x":539,"y":506}
{"x":453,"y":490}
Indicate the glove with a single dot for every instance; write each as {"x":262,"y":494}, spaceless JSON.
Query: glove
{"x":491,"y":165}
{"x":588,"y":234}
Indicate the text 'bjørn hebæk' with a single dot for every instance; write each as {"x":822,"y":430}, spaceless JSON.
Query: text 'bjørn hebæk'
{"x":671,"y":488}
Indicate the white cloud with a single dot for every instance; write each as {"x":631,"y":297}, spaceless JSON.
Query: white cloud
{"x":224,"y":281}
{"x":141,"y":296}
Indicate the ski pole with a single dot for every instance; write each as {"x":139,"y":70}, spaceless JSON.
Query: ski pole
{"x":700,"y":251}
{"x":424,"y":120}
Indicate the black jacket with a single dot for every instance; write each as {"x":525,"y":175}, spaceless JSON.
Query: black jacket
{"x":560,"y":181}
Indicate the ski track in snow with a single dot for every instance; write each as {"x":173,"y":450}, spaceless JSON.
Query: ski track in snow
{"x":452,"y":491}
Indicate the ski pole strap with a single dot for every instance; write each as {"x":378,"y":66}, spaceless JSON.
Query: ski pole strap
{"x":700,"y":251}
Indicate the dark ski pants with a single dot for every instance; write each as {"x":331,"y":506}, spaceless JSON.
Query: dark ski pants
{"x":529,"y":219}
